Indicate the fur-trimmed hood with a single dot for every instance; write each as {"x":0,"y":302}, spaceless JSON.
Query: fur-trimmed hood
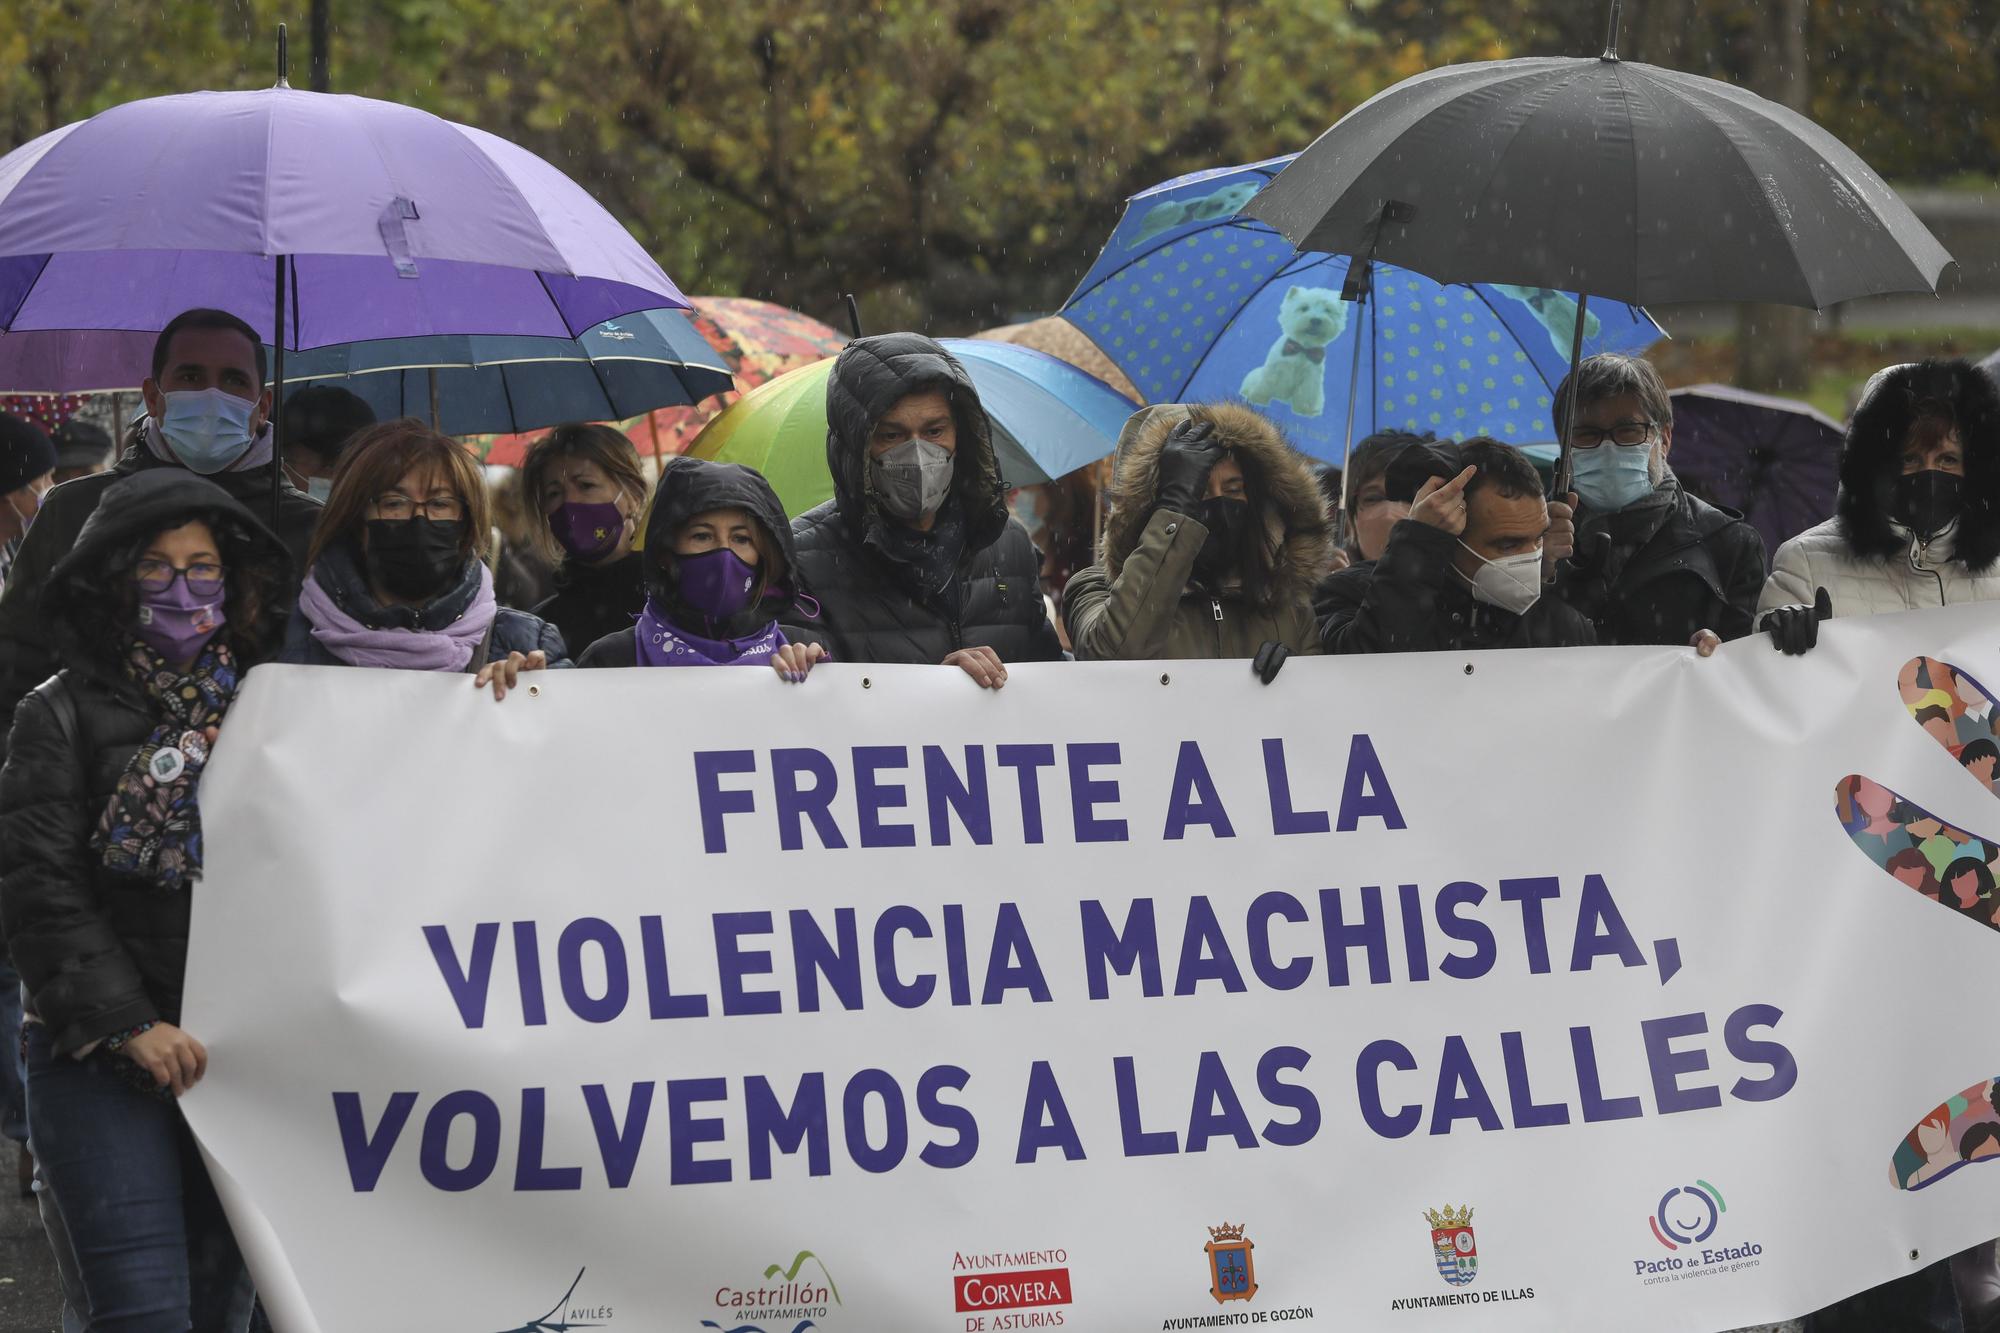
{"x":1294,"y":510}
{"x":1871,"y":458}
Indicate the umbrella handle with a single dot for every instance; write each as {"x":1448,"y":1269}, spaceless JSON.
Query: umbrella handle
{"x":1560,"y":481}
{"x":278,"y":372}
{"x":853,"y":313}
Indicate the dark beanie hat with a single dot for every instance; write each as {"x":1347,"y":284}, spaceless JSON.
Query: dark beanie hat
{"x":25,"y":453}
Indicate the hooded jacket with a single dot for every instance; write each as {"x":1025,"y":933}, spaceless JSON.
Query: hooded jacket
{"x":1143,"y":600}
{"x":690,"y":486}
{"x":1864,"y":558}
{"x":27,"y":654}
{"x":874,"y":606}
{"x":101,"y":951}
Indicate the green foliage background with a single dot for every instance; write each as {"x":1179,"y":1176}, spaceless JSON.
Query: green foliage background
{"x":958,"y":161}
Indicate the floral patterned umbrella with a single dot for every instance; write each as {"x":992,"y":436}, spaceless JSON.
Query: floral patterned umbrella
{"x":758,"y":341}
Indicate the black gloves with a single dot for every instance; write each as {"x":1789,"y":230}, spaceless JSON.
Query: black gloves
{"x":1794,"y":629}
{"x":1189,"y":455}
{"x":1270,"y":660}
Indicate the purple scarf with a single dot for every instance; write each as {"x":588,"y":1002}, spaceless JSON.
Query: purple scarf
{"x":662,"y":644}
{"x":448,"y":649}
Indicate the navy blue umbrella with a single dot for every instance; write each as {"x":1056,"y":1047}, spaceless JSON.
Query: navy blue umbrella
{"x":1774,"y":459}
{"x":498,"y":385}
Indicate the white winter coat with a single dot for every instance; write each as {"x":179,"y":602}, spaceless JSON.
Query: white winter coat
{"x":1865,"y":586}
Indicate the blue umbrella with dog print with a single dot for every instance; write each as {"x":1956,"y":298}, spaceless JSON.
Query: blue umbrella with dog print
{"x":1197,"y":304}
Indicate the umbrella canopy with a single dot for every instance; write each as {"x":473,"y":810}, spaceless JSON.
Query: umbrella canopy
{"x":758,"y":341}
{"x":1065,"y":342}
{"x":1599,"y":175}
{"x":1197,"y":304}
{"x":489,"y":385}
{"x":395,"y":223}
{"x":1991,"y":365}
{"x":1048,"y":419}
{"x":74,"y":361}
{"x":779,"y":428}
{"x":1775,"y":460}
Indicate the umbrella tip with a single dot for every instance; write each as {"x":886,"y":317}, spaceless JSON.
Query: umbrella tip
{"x":284,"y":60}
{"x":853,"y":313}
{"x":1611,"y":33}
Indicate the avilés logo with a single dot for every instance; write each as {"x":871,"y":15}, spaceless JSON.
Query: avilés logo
{"x":567,"y":1313}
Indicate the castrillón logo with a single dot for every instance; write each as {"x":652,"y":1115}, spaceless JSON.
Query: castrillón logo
{"x":792,"y":1304}
{"x":566,"y":1314}
{"x":1688,"y":1214}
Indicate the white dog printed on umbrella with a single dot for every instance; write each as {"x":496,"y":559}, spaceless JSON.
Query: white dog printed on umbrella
{"x":1294,"y":370}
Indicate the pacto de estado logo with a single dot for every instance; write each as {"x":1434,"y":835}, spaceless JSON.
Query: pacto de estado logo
{"x":1688,"y":1214}
{"x":1684,"y":1222}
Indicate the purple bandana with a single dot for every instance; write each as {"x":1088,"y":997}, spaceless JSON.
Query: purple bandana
{"x":663,"y":644}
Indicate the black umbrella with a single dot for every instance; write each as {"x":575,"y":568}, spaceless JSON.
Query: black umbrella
{"x":1597,"y":175}
{"x":1991,"y":365}
{"x":1775,"y":460}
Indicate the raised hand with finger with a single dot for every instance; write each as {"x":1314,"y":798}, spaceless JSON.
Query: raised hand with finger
{"x":1441,"y":503}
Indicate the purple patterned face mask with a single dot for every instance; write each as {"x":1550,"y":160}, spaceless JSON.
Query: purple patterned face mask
{"x":588,"y":531}
{"x":176,"y":621}
{"x":716,"y":583}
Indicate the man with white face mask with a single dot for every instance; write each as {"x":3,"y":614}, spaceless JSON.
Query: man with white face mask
{"x":1464,"y":570}
{"x":915,"y":559}
{"x":1653,"y":564}
{"x":207,"y":410}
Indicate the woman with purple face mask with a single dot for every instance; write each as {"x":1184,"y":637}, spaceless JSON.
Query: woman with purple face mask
{"x":588,"y":486}
{"x":171,"y":593}
{"x":717,"y":561}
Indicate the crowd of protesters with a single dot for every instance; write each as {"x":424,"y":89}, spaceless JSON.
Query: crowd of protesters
{"x":139,"y":592}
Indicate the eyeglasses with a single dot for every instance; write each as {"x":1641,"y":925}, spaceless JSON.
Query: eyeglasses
{"x":396,"y":506}
{"x":1624,"y":432}
{"x":203,"y":580}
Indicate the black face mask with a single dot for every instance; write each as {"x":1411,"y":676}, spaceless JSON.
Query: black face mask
{"x":1926,"y":502}
{"x":414,"y":558}
{"x":1225,"y":518}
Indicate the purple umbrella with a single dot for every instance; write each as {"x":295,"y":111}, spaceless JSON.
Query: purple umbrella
{"x":392,"y":223}
{"x":317,"y":218}
{"x":1774,"y":459}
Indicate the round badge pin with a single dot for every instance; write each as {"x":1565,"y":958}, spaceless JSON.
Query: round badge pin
{"x":166,"y":764}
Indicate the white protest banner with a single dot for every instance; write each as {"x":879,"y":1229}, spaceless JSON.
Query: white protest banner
{"x":1558,"y":989}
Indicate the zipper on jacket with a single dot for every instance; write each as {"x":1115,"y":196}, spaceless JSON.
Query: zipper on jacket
{"x":1917,"y":565}
{"x":1216,"y":604}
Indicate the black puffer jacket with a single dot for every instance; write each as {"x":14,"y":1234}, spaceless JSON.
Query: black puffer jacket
{"x":1413,"y":601}
{"x":99,"y":952}
{"x":27,"y":655}
{"x":592,"y":601}
{"x":1665,"y":568}
{"x":873,"y":607}
{"x":690,"y":486}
